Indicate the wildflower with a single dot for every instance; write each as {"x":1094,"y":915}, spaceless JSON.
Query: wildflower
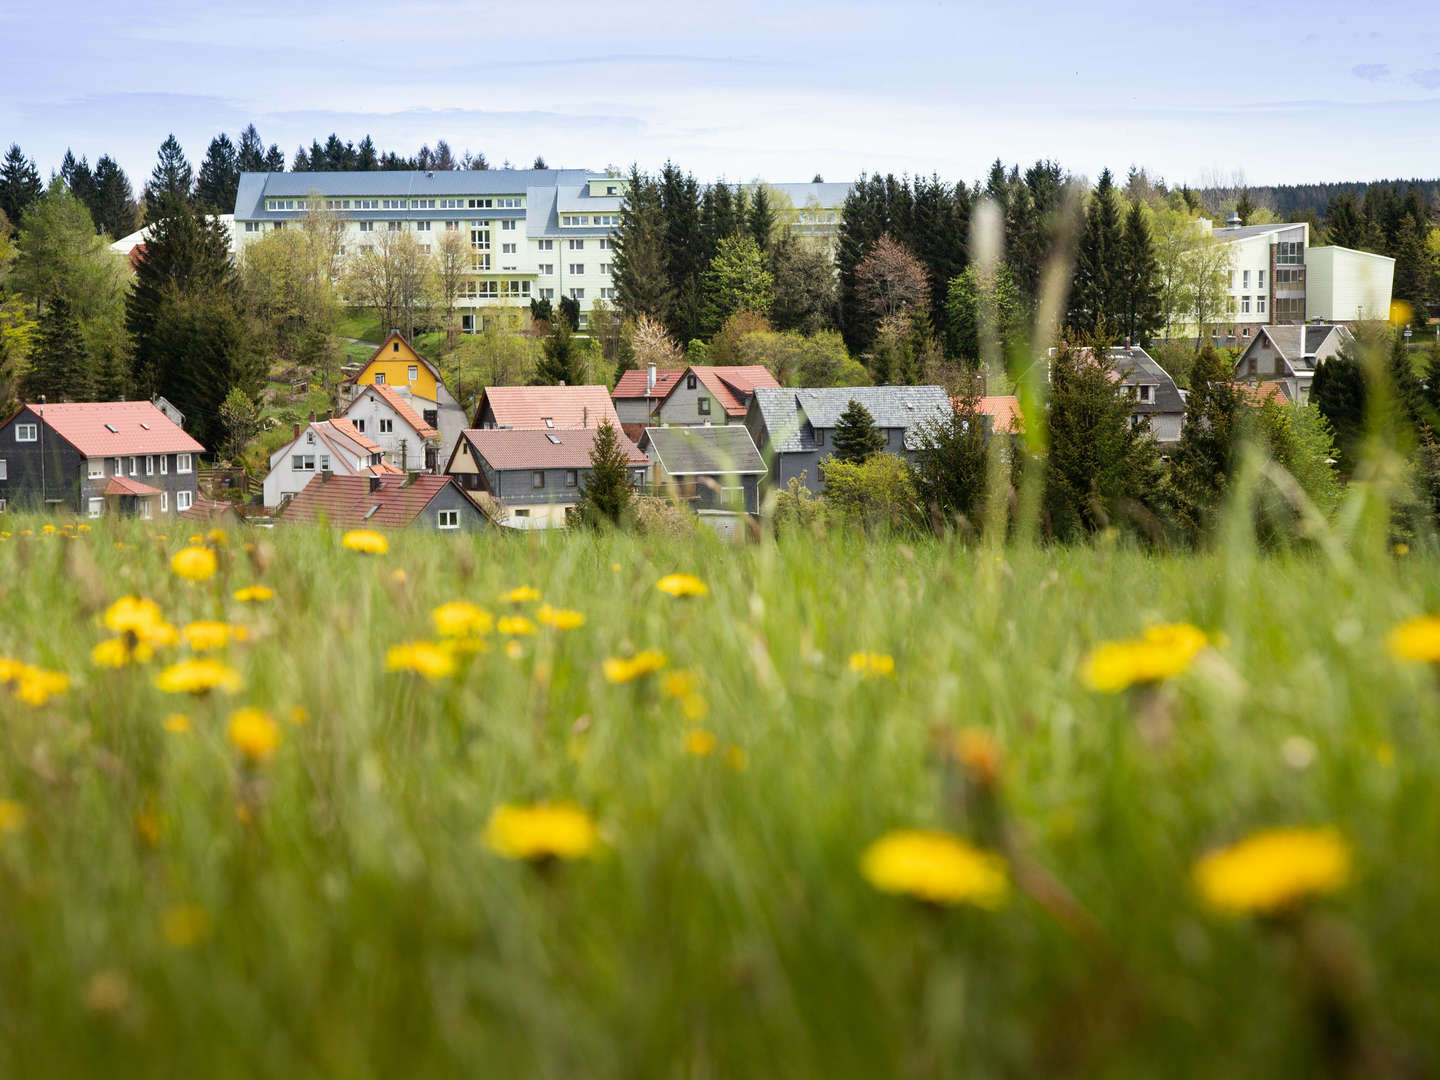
{"x":422,"y":657}
{"x":1162,"y":653}
{"x":978,"y":755}
{"x":1273,"y":869}
{"x":177,"y":723}
{"x":206,"y":636}
{"x":254,"y":594}
{"x":614,"y":567}
{"x":515,"y":625}
{"x":936,"y":867}
{"x":1416,"y":639}
{"x":514,"y":650}
{"x":12,"y":816}
{"x":460,"y":618}
{"x":196,"y":539}
{"x":679,"y":683}
{"x":133,"y":615}
{"x":682,"y":585}
{"x":871,"y":665}
{"x":699,"y":742}
{"x":620,"y":670}
{"x":119,"y":652}
{"x":36,"y":685}
{"x":199,"y":677}
{"x":541,"y":831}
{"x":48,"y":530}
{"x":1401,"y":549}
{"x":694,"y":706}
{"x":82,"y":528}
{"x":559,"y":618}
{"x":218,"y":537}
{"x":737,"y":758}
{"x":194,"y":563}
{"x":185,"y":926}
{"x":365,"y":541}
{"x":524,"y":594}
{"x":254,"y":734}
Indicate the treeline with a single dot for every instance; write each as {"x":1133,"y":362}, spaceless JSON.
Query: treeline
{"x":1301,"y":202}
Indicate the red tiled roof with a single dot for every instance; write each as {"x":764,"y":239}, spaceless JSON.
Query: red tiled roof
{"x":523,"y":407}
{"x":341,"y":426}
{"x":120,"y":486}
{"x":632,"y":384}
{"x":140,"y":428}
{"x":1259,"y":395}
{"x":1004,"y":409}
{"x":403,"y":408}
{"x":528,"y":449}
{"x":348,"y":500}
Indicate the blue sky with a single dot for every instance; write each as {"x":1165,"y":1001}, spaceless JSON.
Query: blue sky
{"x":1278,"y":91}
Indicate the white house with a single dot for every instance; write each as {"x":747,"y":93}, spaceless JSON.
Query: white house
{"x":384,"y":415}
{"x":332,"y":446}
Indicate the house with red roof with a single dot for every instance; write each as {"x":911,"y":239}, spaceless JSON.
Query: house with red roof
{"x":544,"y":408}
{"x":699,"y":394}
{"x":323,"y":446}
{"x":386,"y":415}
{"x":97,"y":458}
{"x":536,"y":475}
{"x":389,"y":501}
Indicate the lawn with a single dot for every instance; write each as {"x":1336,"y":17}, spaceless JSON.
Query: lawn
{"x":170,"y":906}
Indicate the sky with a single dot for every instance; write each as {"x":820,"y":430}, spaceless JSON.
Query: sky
{"x":1197,"y":92}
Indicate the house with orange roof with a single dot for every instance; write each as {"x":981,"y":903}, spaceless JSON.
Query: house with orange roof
{"x":323,"y":446}
{"x":699,"y":394}
{"x":398,"y":365}
{"x":97,"y":458}
{"x":386,"y":415}
{"x":1002,"y":412}
{"x":544,"y":408}
{"x":391,"y":501}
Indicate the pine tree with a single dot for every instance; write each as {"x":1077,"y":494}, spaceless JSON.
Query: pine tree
{"x":1138,"y":288}
{"x":338,"y":156}
{"x":366,"y":160}
{"x":58,"y":367}
{"x":539,"y":162}
{"x":301,"y":161}
{"x":274,"y":159}
{"x":19,"y":185}
{"x":1244,"y":208}
{"x":251,"y":155}
{"x":638,"y":258}
{"x":736,"y":280}
{"x":81,"y":182}
{"x":856,"y":436}
{"x":1345,"y":224}
{"x":682,"y":250}
{"x":108,"y":381}
{"x":444,"y":159}
{"x":1097,"y":268}
{"x":607,"y":498}
{"x":761,"y":219}
{"x":219,"y":178}
{"x":170,"y":181}
{"x":1338,"y":391}
{"x":560,"y":362}
{"x":1203,"y":461}
{"x":114,"y":209}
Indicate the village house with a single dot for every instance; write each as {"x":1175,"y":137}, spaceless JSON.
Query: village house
{"x":717,"y":470}
{"x":397,"y":365}
{"x":323,"y":446}
{"x":535,"y":475}
{"x":544,"y":408}
{"x":694,"y":395}
{"x":97,"y":458}
{"x":1291,"y":355}
{"x":386,"y":416}
{"x":390,"y":501}
{"x":1154,"y":393}
{"x":796,"y":427}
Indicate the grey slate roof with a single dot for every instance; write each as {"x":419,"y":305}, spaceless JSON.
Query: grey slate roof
{"x":791,"y":416}
{"x":1135,"y":366}
{"x":704,"y":450}
{"x":1287,"y":340}
{"x":1244,"y":232}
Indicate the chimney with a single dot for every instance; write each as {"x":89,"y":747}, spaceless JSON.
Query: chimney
{"x":312,"y":417}
{"x":297,"y":431}
{"x":649,"y":378}
{"x":585,"y":417}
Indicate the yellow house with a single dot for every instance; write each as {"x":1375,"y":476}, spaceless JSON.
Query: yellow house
{"x":396,"y":364}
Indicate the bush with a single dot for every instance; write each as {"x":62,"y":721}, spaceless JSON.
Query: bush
{"x":877,"y":494}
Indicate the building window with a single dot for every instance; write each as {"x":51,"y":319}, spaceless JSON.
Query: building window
{"x":449,"y":519}
{"x":164,"y":502}
{"x":95,"y":469}
{"x":577,"y":269}
{"x":1259,"y":279}
{"x":577,"y":294}
{"x":380,"y":378}
{"x":819,"y":436}
{"x":2,"y":506}
{"x":1146,"y":393}
{"x":605,"y":268}
{"x":164,"y":465}
{"x":523,"y":513}
{"x":584,"y":319}
{"x":119,"y":468}
{"x":547,"y":245}
{"x":386,"y":426}
{"x":303,"y":463}
{"x":704,"y":405}
{"x":611,"y":189}
{"x":507,"y":226}
{"x":413,"y":373}
{"x":97,"y":507}
{"x":324,"y":462}
{"x":367,"y":226}
{"x":1260,"y":305}
{"x":1244,"y":279}
{"x":1245,"y":305}
{"x":605,"y":243}
{"x":394,"y":226}
{"x":577,"y":245}
{"x":537,"y":479}
{"x":690,"y":381}
{"x":1290,"y":251}
{"x":547,"y":294}
{"x":134,"y":466}
{"x":507,"y":249}
{"x":545,"y":268}
{"x":25,"y":432}
{"x":572,"y":477}
{"x":422,"y":226}
{"x":182,"y":463}
{"x":183,"y":501}
{"x":4,"y":469}
{"x":607,"y":294}
{"x":150,"y":465}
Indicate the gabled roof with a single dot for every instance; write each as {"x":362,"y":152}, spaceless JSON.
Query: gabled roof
{"x":1136,"y":367}
{"x":119,"y":485}
{"x":1265,"y":391}
{"x":1003,"y":410}
{"x":348,"y":501}
{"x":1297,"y":351}
{"x":395,"y":335}
{"x":704,"y":450}
{"x":734,"y":386}
{"x":343,"y":440}
{"x":791,"y":416}
{"x":115,"y":428}
{"x":523,"y":407}
{"x":504,"y":448}
{"x":402,"y":407}
{"x":632,"y":384}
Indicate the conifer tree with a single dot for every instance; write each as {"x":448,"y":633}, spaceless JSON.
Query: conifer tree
{"x":58,"y":368}
{"x":1138,"y":287}
{"x":19,"y":184}
{"x":1203,"y":460}
{"x":683,"y":250}
{"x":607,"y":498}
{"x":1097,"y":267}
{"x":560,"y":361}
{"x":114,"y":207}
{"x":856,"y":436}
{"x":638,"y":267}
{"x":250,"y":157}
{"x":366,"y":159}
{"x":219,"y":177}
{"x":761,"y":220}
{"x":170,"y":181}
{"x":274,"y":159}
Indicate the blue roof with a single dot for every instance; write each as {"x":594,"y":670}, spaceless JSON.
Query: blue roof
{"x":255,"y":188}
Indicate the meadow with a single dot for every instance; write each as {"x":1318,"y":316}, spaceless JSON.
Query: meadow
{"x":325,"y":889}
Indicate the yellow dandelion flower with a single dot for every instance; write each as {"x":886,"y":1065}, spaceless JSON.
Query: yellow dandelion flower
{"x":694,"y":706}
{"x":1416,"y":639}
{"x":541,"y":831}
{"x":199,"y":677}
{"x":12,"y":816}
{"x":82,"y":528}
{"x":872,"y":665}
{"x":1401,"y":313}
{"x":120,"y":652}
{"x":177,"y":723}
{"x":36,"y":685}
{"x":514,"y":650}
{"x":206,"y":635}
{"x":365,"y":541}
{"x":682,"y":585}
{"x":699,"y":742}
{"x":196,"y":539}
{"x":614,"y":567}
{"x":524,"y":594}
{"x":133,"y":615}
{"x":460,"y":618}
{"x":559,"y":618}
{"x":936,"y":867}
{"x":1162,"y":653}
{"x":515,"y":625}
{"x":10,"y":669}
{"x":679,"y":683}
{"x":194,"y":563}
{"x":621,"y":670}
{"x":185,"y":926}
{"x":1273,"y":870}
{"x":254,"y":594}
{"x":218,"y":537}
{"x":252,"y":732}
{"x":1401,"y":549}
{"x":423,"y":658}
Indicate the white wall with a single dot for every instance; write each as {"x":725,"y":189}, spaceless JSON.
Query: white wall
{"x":1344,"y":285}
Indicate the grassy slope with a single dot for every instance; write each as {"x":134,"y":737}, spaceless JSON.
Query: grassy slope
{"x":360,"y":929}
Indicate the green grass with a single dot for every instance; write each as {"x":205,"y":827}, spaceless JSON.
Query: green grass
{"x":360,"y":927}
{"x":361,"y":324}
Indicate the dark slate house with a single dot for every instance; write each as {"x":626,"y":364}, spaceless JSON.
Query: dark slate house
{"x":1153,"y":391}
{"x":716,"y":469}
{"x":795,"y":428}
{"x":97,"y":458}
{"x":414,"y":500}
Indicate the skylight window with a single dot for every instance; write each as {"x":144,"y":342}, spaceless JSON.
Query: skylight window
{"x":549,"y":423}
{"x":145,"y":426}
{"x":112,"y":429}
{"x":553,"y":438}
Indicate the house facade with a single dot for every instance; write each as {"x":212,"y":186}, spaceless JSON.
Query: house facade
{"x":322,"y":447}
{"x":384,"y":414}
{"x":97,"y":458}
{"x":700,"y":394}
{"x":391,"y":501}
{"x":795,"y":428}
{"x":395,"y":364}
{"x":535,"y":475}
{"x":1152,"y":391}
{"x":716,"y":470}
{"x":1290,"y":355}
